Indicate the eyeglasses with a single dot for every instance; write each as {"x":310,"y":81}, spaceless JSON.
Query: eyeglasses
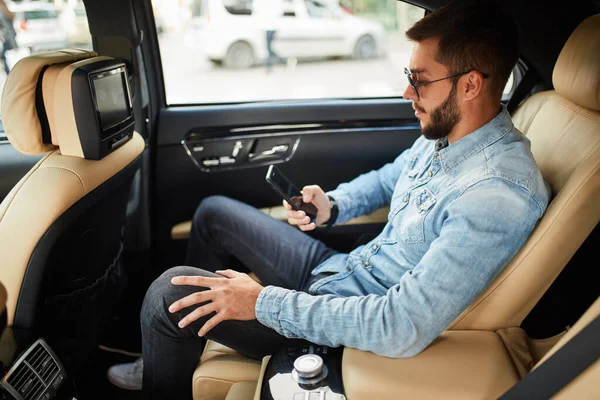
{"x":416,"y":85}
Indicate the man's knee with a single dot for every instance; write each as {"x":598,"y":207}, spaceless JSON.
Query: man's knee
{"x":162,"y":293}
{"x":212,"y":210}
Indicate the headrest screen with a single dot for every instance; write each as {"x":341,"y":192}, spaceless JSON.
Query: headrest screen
{"x":111,"y":94}
{"x":102,"y":106}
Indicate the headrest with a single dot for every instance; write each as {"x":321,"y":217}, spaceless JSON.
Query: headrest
{"x":576,"y":73}
{"x":19,"y":112}
{"x":37,"y":102}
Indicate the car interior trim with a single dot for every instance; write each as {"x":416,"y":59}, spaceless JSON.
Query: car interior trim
{"x":181,"y":230}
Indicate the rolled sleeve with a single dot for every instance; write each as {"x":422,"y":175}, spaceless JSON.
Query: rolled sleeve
{"x":268,"y":307}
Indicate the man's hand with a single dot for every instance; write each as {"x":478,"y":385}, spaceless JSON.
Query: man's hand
{"x":232,"y":297}
{"x":315,"y":195}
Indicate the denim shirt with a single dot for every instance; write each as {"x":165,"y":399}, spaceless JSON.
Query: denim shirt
{"x":457,"y":217}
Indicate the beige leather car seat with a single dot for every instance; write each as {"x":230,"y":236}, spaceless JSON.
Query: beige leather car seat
{"x":471,"y":360}
{"x":61,"y":226}
{"x":463,"y":365}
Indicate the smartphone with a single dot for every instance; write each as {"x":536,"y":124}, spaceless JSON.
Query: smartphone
{"x":289,"y":192}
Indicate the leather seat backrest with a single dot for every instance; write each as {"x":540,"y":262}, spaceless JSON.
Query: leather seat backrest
{"x":61,"y":226}
{"x":564,"y":128}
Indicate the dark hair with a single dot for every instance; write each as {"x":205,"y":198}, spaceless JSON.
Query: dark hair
{"x":473,"y":34}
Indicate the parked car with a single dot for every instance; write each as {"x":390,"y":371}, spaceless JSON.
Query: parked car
{"x":234,"y":36}
{"x":38,"y":26}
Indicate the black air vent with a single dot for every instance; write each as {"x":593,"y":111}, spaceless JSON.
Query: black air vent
{"x":37,"y":374}
{"x":26,"y":382}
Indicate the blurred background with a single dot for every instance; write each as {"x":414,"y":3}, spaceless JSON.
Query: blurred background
{"x":323,"y":49}
{"x":217,"y":51}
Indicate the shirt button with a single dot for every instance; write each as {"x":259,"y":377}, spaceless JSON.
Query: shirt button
{"x":404,"y":200}
{"x":348,"y":269}
{"x":367,"y":263}
{"x":429,"y":173}
{"x":437,"y":158}
{"x":374,"y":247}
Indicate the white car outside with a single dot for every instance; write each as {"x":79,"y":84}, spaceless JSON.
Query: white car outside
{"x":37,"y":26}
{"x":236,"y":38}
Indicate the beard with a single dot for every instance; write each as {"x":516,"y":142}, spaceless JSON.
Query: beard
{"x":443,"y":118}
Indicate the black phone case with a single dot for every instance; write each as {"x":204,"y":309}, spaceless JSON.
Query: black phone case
{"x":297,"y":205}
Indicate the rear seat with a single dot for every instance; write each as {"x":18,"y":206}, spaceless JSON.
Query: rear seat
{"x":219,"y":369}
{"x":458,"y":365}
{"x":461,"y":365}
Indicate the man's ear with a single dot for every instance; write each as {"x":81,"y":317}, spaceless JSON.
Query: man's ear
{"x":473,"y":85}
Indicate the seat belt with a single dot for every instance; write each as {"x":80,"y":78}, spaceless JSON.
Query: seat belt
{"x":561,"y":368}
{"x":530,"y":79}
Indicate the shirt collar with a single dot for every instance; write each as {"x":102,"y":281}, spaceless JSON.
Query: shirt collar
{"x":441,"y":144}
{"x":457,"y":152}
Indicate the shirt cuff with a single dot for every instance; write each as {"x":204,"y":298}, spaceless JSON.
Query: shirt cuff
{"x":344,"y":204}
{"x":268,"y":306}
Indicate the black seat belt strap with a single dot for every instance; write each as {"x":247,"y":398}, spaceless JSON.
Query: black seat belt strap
{"x":527,"y":83}
{"x":561,"y":368}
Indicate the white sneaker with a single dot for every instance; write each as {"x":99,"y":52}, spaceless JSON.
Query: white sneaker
{"x":127,"y":376}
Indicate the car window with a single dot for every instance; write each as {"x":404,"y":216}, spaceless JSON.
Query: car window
{"x":510,"y":86}
{"x":238,"y":7}
{"x":217,"y":51}
{"x":39,"y":14}
{"x":316,"y":9}
{"x":39,"y":27}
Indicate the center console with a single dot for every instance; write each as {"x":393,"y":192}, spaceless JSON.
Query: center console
{"x":302,"y":373}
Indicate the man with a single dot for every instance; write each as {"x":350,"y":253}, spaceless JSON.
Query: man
{"x":7,"y":33}
{"x":269,"y":14}
{"x":463,"y":200}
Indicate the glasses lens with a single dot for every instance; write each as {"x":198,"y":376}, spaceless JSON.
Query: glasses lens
{"x":410,"y":81}
{"x":408,"y":76}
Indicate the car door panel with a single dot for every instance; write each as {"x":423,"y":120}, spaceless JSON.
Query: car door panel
{"x":176,"y":121}
{"x":324,"y":147}
{"x":235,"y":152}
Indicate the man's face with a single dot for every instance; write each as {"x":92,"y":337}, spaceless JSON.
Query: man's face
{"x":436,"y":106}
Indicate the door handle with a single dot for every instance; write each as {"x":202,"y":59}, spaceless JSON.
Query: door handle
{"x":276,"y":152}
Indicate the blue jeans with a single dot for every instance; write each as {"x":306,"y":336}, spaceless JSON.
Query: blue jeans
{"x":223,"y":230}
